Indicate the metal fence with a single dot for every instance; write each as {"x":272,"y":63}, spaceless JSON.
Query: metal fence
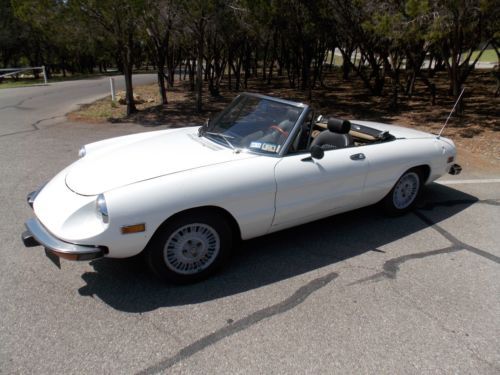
{"x":13,"y":71}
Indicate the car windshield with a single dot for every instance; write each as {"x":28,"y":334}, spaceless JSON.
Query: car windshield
{"x":253,"y":123}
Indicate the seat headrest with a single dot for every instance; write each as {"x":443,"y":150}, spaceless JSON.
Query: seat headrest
{"x":337,"y":125}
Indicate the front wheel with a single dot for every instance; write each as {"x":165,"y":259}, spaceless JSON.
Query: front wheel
{"x":403,"y":196}
{"x":190,"y":247}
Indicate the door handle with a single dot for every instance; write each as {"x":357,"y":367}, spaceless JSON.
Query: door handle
{"x":359,"y":156}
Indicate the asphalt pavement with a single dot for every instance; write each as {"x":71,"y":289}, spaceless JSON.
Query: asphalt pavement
{"x":26,"y":109}
{"x":356,"y":293}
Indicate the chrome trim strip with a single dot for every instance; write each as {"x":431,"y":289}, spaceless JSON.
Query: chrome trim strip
{"x":47,"y":240}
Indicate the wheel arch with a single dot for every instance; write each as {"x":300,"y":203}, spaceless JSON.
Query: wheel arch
{"x":425,"y":171}
{"x":233,"y":223}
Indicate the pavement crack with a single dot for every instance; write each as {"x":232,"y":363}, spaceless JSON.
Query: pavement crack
{"x":17,"y":105}
{"x":240,"y":325}
{"x":455,"y":241}
{"x":33,"y":125}
{"x":21,"y":102}
{"x":392,"y":266}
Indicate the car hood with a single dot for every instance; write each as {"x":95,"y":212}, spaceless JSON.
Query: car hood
{"x":126,"y":160}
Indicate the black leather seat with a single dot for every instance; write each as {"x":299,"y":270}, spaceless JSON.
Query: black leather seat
{"x":337,"y":135}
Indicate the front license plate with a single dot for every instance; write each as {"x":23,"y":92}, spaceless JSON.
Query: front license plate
{"x":54,"y":258}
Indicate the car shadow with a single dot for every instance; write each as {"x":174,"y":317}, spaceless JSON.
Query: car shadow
{"x":126,"y":285}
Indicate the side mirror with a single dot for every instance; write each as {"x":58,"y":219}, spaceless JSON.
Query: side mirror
{"x":317,"y":152}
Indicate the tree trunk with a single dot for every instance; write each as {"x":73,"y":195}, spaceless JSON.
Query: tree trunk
{"x":247,"y":66}
{"x":454,"y":67}
{"x":306,"y":67}
{"x":270,"y":74}
{"x":264,"y":61}
{"x":237,"y":73}
{"x":161,"y":85}
{"x":129,"y":89}
{"x":192,"y":67}
{"x":395,"y":90}
{"x":497,"y":73}
{"x":230,"y":64}
{"x":346,"y":64}
{"x":199,"y":71}
{"x":127,"y":70}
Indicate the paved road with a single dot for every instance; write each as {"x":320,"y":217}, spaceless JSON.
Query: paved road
{"x":25,"y":109}
{"x":356,"y":293}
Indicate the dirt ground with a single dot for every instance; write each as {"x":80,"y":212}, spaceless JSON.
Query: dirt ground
{"x":476,"y":133}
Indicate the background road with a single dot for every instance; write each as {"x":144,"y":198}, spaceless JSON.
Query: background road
{"x":25,"y":109}
{"x":355,"y":293}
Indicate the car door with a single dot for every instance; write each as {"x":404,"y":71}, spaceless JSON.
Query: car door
{"x":308,"y":189}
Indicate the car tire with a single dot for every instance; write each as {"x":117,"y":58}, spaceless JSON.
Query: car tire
{"x":190,"y":247}
{"x":404,"y":194}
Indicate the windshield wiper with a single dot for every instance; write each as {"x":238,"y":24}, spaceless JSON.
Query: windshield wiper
{"x":225,"y":137}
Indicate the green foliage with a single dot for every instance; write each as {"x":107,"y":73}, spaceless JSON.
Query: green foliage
{"x":240,"y":36}
{"x":416,"y":8}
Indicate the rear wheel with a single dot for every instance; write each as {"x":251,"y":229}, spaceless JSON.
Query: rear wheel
{"x":190,"y":247}
{"x":403,"y":196}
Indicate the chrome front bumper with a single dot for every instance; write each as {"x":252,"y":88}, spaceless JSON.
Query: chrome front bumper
{"x":37,"y":235}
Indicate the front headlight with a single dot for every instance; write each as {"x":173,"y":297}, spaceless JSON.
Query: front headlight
{"x":102,"y":208}
{"x":82,"y":152}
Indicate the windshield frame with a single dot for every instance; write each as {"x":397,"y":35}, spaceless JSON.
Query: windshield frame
{"x":291,"y":136}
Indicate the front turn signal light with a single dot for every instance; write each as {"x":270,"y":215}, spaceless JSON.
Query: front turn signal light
{"x":136,"y":228}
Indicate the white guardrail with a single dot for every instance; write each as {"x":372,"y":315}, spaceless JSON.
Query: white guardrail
{"x":14,"y":71}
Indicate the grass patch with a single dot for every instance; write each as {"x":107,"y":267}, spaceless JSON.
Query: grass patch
{"x":105,"y":110}
{"x":23,"y":82}
{"x":488,"y":55}
{"x":98,"y":111}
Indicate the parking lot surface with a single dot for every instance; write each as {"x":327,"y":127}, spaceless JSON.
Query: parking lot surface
{"x":354,"y":293}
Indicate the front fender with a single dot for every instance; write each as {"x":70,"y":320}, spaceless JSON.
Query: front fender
{"x":246,"y":189}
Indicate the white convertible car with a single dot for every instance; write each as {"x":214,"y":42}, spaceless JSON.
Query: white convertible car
{"x":184,"y":197}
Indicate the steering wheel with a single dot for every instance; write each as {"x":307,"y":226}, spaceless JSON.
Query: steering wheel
{"x":284,"y":133}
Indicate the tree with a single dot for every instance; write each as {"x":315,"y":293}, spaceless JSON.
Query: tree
{"x":353,"y":20}
{"x":401,"y":42}
{"x":57,"y":37}
{"x":458,"y":27}
{"x":159,"y":21}
{"x":118,"y":19}
{"x":197,"y":15}
{"x":12,"y":31}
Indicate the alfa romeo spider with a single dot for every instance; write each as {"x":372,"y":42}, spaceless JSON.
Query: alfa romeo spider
{"x":184,"y":197}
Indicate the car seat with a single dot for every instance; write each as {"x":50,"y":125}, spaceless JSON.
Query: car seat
{"x":336,"y":136}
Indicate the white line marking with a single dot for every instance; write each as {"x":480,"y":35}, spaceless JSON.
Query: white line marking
{"x":478,"y":181}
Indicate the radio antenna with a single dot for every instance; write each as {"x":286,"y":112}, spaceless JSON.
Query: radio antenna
{"x":453,"y":110}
